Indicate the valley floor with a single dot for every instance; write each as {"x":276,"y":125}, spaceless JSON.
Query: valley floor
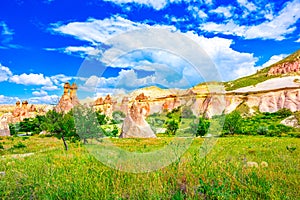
{"x":39,"y":168}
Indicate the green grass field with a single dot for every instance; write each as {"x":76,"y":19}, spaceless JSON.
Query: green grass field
{"x":52,"y":173}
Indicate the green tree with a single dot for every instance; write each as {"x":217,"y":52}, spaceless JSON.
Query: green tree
{"x":102,"y":118}
{"x":87,"y":123}
{"x":232,"y":123}
{"x":203,"y":126}
{"x":118,"y":117}
{"x":172,"y":126}
{"x":61,"y":125}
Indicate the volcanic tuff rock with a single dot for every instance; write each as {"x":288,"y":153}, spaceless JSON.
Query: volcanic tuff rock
{"x":135,"y":125}
{"x":289,"y":65}
{"x":17,"y":114}
{"x":68,"y":100}
{"x":293,"y":67}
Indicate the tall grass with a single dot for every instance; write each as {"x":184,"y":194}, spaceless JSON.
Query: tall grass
{"x":52,"y":173}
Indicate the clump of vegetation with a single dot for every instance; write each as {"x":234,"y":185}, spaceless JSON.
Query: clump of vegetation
{"x":172,"y":126}
{"x":232,"y":123}
{"x":19,"y":145}
{"x":200,"y":128}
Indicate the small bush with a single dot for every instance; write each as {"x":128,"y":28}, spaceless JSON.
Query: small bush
{"x":1,"y":146}
{"x":19,"y":145}
{"x":262,"y":130}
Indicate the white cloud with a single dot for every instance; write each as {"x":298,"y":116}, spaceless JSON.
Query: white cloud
{"x":231,"y":64}
{"x":156,"y":4}
{"x":31,"y":79}
{"x":277,"y":28}
{"x":248,"y":5}
{"x":49,"y":99}
{"x":5,"y":73}
{"x":8,"y":100}
{"x":85,"y":50}
{"x":274,"y":59}
{"x":226,"y":11}
{"x":298,"y":40}
{"x":202,"y":14}
{"x":96,"y":31}
{"x":50,"y":88}
{"x":40,"y":93}
{"x":5,"y":29}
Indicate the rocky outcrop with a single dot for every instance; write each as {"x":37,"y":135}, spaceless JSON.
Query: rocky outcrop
{"x":105,"y":105}
{"x":18,"y":114}
{"x":4,"y":128}
{"x":135,"y":125}
{"x":171,"y":102}
{"x":291,"y":121}
{"x":68,"y":100}
{"x":285,"y":68}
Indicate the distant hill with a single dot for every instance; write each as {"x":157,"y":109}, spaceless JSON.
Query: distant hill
{"x":264,"y":74}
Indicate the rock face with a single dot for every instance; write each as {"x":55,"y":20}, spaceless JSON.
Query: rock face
{"x":171,"y":102}
{"x":285,"y":68}
{"x":4,"y":128}
{"x":104,"y":106}
{"x":291,"y":121}
{"x":135,"y":125}
{"x":68,"y":100}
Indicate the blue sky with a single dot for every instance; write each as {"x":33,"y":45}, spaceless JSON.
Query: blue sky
{"x":45,"y":43}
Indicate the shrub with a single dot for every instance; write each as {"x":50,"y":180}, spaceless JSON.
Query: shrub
{"x":172,"y":127}
{"x":203,"y":126}
{"x":19,"y":145}
{"x":1,"y":146}
{"x":262,"y":130}
{"x":232,"y":123}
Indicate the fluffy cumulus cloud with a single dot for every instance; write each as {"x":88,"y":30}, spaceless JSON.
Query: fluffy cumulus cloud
{"x":49,"y":99}
{"x":277,"y":28}
{"x":225,"y":11}
{"x":247,"y":5}
{"x":96,"y":31}
{"x":31,"y":79}
{"x":39,"y":93}
{"x":231,"y":64}
{"x":274,"y":59}
{"x":8,"y":100}
{"x":5,"y":73}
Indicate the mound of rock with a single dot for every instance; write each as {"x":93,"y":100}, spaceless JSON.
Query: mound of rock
{"x":135,"y":125}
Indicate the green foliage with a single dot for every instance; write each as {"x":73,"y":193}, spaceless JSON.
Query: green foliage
{"x":112,"y":133}
{"x":187,"y":113}
{"x":87,"y":123}
{"x":172,"y":126}
{"x":19,"y":145}
{"x":262,"y":130}
{"x":232,"y":123}
{"x":284,"y":113}
{"x":1,"y":146}
{"x":102,"y":118}
{"x":13,"y":128}
{"x":202,"y":127}
{"x":118,"y":117}
{"x":267,"y":124}
{"x":215,"y":189}
{"x":175,"y":114}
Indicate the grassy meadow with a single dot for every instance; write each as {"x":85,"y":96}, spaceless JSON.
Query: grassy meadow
{"x":53,"y":173}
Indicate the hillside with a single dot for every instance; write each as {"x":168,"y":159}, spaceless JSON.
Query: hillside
{"x":262,"y":75}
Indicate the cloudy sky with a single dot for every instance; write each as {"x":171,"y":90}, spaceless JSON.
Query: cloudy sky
{"x":48,"y":42}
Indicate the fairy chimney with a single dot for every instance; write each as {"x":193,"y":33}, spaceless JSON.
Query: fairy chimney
{"x":135,"y":125}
